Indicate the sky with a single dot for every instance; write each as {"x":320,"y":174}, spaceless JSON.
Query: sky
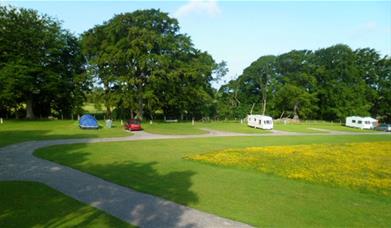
{"x":239,"y":32}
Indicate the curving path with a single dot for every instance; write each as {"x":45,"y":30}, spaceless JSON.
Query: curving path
{"x":18,"y":163}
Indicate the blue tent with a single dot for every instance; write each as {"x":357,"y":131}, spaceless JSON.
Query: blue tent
{"x":88,"y":122}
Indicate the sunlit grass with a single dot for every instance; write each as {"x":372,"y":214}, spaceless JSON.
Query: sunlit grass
{"x":261,"y":199}
{"x":183,"y":128}
{"x":362,"y":166}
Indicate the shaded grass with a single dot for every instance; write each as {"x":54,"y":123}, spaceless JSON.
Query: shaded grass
{"x":184,"y":128}
{"x":29,"y":204}
{"x":361,"y":166}
{"x":248,"y":196}
{"x":18,"y":131}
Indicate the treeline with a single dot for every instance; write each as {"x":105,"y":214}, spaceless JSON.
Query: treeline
{"x":327,"y":84}
{"x":139,"y":65}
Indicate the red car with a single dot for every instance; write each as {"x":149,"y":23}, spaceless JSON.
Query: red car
{"x":133,"y":125}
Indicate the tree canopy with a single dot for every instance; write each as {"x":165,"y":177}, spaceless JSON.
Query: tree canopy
{"x":140,"y":64}
{"x":145,"y":64}
{"x":41,"y":66}
{"x":329,"y":83}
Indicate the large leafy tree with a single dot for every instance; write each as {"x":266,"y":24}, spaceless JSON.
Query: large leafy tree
{"x":142,"y":57}
{"x":259,"y":76}
{"x":296,"y":94}
{"x":39,"y":63}
{"x":341,"y":89}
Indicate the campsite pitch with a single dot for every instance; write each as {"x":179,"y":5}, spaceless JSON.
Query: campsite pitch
{"x":158,"y":167}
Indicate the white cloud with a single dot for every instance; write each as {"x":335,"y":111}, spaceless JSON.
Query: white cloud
{"x":210,"y":7}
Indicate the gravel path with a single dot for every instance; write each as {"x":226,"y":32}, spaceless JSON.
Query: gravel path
{"x":18,"y":163}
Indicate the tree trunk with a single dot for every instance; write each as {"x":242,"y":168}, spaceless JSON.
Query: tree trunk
{"x":295,"y":108}
{"x":107,"y":100}
{"x":140,"y":108}
{"x":29,"y":108}
{"x":108,"y":112}
{"x":264,"y":106}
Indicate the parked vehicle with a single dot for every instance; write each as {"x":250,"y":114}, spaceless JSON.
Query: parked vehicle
{"x":260,"y":121}
{"x":383,"y":127}
{"x":133,"y":125}
{"x":361,"y":122}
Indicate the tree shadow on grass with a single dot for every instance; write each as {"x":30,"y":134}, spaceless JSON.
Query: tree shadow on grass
{"x":9,"y":137}
{"x":142,"y":209}
{"x":28,"y":204}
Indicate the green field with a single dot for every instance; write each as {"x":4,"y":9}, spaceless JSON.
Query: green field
{"x":29,"y":204}
{"x":158,"y":167}
{"x":231,"y":127}
{"x":19,"y":131}
{"x":183,"y":128}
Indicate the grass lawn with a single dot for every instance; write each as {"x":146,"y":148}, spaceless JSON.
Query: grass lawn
{"x":19,"y":131}
{"x":362,"y":166}
{"x":303,"y":128}
{"x":342,"y":128}
{"x":183,"y":128}
{"x":90,"y":108}
{"x":29,"y":204}
{"x":231,"y":127}
{"x":158,"y":167}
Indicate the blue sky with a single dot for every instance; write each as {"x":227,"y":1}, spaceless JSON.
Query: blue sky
{"x":239,"y":32}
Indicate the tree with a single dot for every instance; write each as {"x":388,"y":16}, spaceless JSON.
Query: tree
{"x":148,"y":62}
{"x":39,"y":62}
{"x":262,"y":71}
{"x":296,"y":93}
{"x":341,"y":89}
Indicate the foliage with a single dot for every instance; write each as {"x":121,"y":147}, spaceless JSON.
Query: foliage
{"x":330,"y":84}
{"x":43,"y":69}
{"x":144,"y":62}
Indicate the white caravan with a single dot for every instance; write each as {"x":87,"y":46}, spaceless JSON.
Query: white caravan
{"x":361,"y":122}
{"x":260,"y":121}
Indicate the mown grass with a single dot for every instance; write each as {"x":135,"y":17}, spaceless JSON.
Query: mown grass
{"x":302,"y":128}
{"x":343,"y":128}
{"x":12,"y":131}
{"x":28,"y":204}
{"x":183,"y":128}
{"x":157,"y":167}
{"x":231,"y":127}
{"x":361,"y":166}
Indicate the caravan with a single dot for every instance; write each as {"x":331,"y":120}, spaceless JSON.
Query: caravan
{"x":361,"y":122}
{"x":260,"y":121}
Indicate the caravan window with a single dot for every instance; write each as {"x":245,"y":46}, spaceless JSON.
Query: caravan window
{"x":367,"y":122}
{"x":267,"y":122}
{"x":260,"y":121}
{"x":359,"y":122}
{"x":353,"y":121}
